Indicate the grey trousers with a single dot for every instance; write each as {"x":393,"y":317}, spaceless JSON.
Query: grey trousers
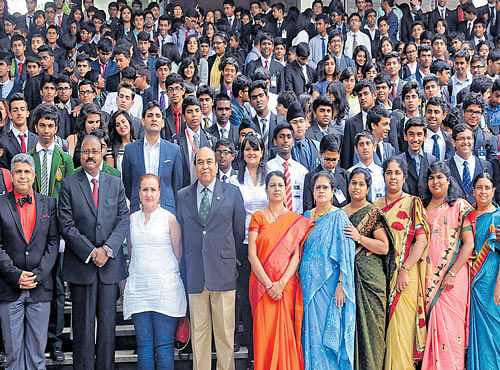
{"x":24,"y":329}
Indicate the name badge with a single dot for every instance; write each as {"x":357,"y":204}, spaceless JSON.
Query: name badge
{"x":297,"y":191}
{"x":283,"y":34}
{"x":339,"y":196}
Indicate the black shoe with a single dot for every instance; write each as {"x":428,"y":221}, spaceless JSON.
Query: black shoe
{"x":57,"y":355}
{"x":3,"y":359}
{"x":236,"y":345}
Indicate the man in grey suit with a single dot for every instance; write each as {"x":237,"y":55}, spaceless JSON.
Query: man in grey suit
{"x":94,"y":221}
{"x":212,"y":218}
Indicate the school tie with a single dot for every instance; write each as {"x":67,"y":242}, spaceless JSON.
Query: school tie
{"x":466,"y":180}
{"x":263,"y":122}
{"x":394,"y":91}
{"x":95,"y":193}
{"x":222,"y":133}
{"x":267,"y":65}
{"x":196,"y":142}
{"x":22,"y":137}
{"x":435,"y":148}
{"x":44,"y":181}
{"x":323,"y":46}
{"x":224,"y":178}
{"x":207,"y":124}
{"x":354,"y":42}
{"x":19,"y":68}
{"x":204,"y":207}
{"x":288,"y":186}
{"x":162,"y":100}
{"x":379,"y":153}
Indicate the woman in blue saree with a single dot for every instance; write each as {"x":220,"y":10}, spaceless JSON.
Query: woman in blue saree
{"x":327,"y":277}
{"x":484,"y":342}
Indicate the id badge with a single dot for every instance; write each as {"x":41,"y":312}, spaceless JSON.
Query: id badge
{"x":339,"y":196}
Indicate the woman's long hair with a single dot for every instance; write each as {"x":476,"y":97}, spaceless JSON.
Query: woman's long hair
{"x":337,"y":89}
{"x":115,"y":138}
{"x":185,"y":53}
{"x":454,"y":191}
{"x":82,"y":118}
{"x":256,"y":142}
{"x":184,"y":64}
{"x":320,"y":69}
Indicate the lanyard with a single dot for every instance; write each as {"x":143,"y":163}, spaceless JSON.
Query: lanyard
{"x":191,"y":141}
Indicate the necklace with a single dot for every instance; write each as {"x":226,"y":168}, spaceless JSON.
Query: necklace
{"x":399,"y":196}
{"x":318,"y":215}
{"x":272,"y":214}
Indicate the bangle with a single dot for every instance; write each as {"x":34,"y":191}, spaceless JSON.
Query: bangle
{"x":404,"y":268}
{"x":282,"y":287}
{"x":360,"y":236}
{"x":269,"y":287}
{"x":451,"y":273}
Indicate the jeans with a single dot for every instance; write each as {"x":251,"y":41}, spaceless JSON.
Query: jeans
{"x":155,"y":336}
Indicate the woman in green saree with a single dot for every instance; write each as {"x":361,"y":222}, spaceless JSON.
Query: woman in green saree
{"x":373,"y":268}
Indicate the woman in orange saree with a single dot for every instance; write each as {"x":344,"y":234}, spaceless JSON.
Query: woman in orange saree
{"x":274,"y":238}
{"x":447,"y":286}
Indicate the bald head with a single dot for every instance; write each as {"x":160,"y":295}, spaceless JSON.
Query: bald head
{"x":205,"y":166}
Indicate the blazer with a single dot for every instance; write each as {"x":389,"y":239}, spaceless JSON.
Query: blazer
{"x":416,"y":184}
{"x":294,"y":79}
{"x":233,"y":132}
{"x":352,"y":126}
{"x":85,"y":227}
{"x":451,"y":19}
{"x":236,"y":26}
{"x":168,"y":130}
{"x":273,"y":121}
{"x":169,"y":172}
{"x":112,"y":82}
{"x":374,"y":42}
{"x":275,"y":69}
{"x":487,"y":141}
{"x":313,"y":149}
{"x":19,"y":79}
{"x":389,"y":151}
{"x":405,"y":25}
{"x":209,"y":251}
{"x":481,"y":166}
{"x":11,"y":147}
{"x":32,"y":91}
{"x":111,"y":68}
{"x":38,"y":256}
{"x":340,"y":182}
{"x":314,"y":132}
{"x":61,"y":167}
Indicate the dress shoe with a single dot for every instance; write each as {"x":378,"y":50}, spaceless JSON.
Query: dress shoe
{"x":57,"y":355}
{"x":236,"y":345}
{"x":3,"y":359}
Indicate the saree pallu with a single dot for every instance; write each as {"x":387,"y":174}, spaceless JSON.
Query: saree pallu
{"x":277,"y":324}
{"x":327,"y":330}
{"x":447,"y":310}
{"x":484,"y":342}
{"x":372,"y":275}
{"x":406,"y":332}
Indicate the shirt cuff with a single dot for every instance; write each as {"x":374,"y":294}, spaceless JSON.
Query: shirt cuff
{"x":90,"y":256}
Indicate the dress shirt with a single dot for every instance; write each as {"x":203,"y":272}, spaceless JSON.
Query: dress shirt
{"x":6,"y":88}
{"x":167,"y":100}
{"x":227,"y":174}
{"x":27,"y":214}
{"x":200,"y":194}
{"x":226,"y":129}
{"x":58,"y":21}
{"x":361,"y":39}
{"x":110,"y":105}
{"x":152,"y":156}
{"x":230,"y":21}
{"x":316,"y":47}
{"x":297,"y":174}
{"x":459,"y":85}
{"x":471,"y":162}
{"x":417,"y":159}
{"x":49,"y":153}
{"x":263,"y":61}
{"x":377,"y":190}
{"x":16,"y":133}
{"x":364,"y":116}
{"x":68,"y":106}
{"x":429,"y":144}
{"x":441,"y":12}
{"x":372,"y":32}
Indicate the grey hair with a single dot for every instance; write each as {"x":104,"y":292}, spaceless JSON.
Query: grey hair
{"x":22,"y":158}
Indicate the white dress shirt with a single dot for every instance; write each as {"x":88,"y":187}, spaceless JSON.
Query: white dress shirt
{"x":226,"y":129}
{"x":429,"y":144}
{"x":49,"y":153}
{"x":151,"y":156}
{"x":361,"y":39}
{"x":110,"y":105}
{"x":16,"y":133}
{"x":377,"y":190}
{"x":471,"y":162}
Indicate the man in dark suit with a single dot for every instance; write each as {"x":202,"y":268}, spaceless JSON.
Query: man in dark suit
{"x":265,"y":120}
{"x":137,"y":161}
{"x":464,"y":165}
{"x":174,"y":122}
{"x":94,"y":222}
{"x":103,"y":64}
{"x":234,"y":23}
{"x":122,"y":59}
{"x":281,"y":26}
{"x":438,"y":142}
{"x":225,"y":153}
{"x":415,"y":14}
{"x":418,"y":161}
{"x":28,"y":251}
{"x":370,"y":28}
{"x":192,"y":138}
{"x":295,"y":73}
{"x":18,"y":48}
{"x":442,"y":12}
{"x":223,"y":128}
{"x":305,"y":149}
{"x":467,"y":25}
{"x":211,"y":239}
{"x":19,"y":139}
{"x":329,"y":153}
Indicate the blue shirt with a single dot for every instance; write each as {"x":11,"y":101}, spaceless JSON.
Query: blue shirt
{"x":494,"y":115}
{"x":417,"y":159}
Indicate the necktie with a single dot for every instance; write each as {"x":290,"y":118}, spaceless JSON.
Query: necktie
{"x":323,"y":47}
{"x":95,"y":193}
{"x":354,"y":42}
{"x":177,"y":118}
{"x":104,"y":71}
{"x":267,"y":64}
{"x":435,"y":147}
{"x":224,"y":178}
{"x":162,"y":100}
{"x":279,"y":25}
{"x":466,"y":178}
{"x":263,"y":122}
{"x":20,"y":68}
{"x":30,"y":21}
{"x":288,"y":186}
{"x":492,"y":14}
{"x":204,"y":206}
{"x":443,"y":14}
{"x":44,"y":181}
{"x":207,"y":124}
{"x":222,"y":133}
{"x":1,"y":90}
{"x":26,"y":199}
{"x":22,"y":137}
{"x":379,"y":153}
{"x":394,"y":91}
{"x":196,"y":142}
{"x":59,"y":20}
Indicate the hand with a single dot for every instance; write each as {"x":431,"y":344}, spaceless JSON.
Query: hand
{"x":68,"y":70}
{"x":496,"y":230}
{"x":353,"y":233}
{"x":27,"y":280}
{"x":77,"y":109}
{"x":100,"y":257}
{"x":60,"y":105}
{"x":402,"y":280}
{"x":339,"y":296}
{"x":448,"y":282}
{"x":73,"y":78}
{"x":496,"y":295}
{"x":275,"y":292}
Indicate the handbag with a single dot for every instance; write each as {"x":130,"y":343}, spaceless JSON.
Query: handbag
{"x":183,"y":333}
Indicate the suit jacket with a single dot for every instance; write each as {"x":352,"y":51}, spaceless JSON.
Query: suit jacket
{"x":406,"y":22}
{"x":168,"y":130}
{"x":352,"y":126}
{"x":294,"y":78}
{"x":416,"y":184}
{"x":481,"y":166}
{"x":462,"y":27}
{"x":315,"y":133}
{"x":37,"y":256}
{"x":148,"y":95}
{"x":313,"y":149}
{"x":32,"y":92}
{"x":389,"y":151}
{"x":451,"y":19}
{"x":236,"y":26}
{"x":374,"y":42}
{"x":233,"y":132}
{"x":487,"y":141}
{"x":11,"y":147}
{"x":169,"y":172}
{"x":111,"y":68}
{"x":273,"y":121}
{"x":275,"y":68}
{"x":112,"y":82}
{"x":19,"y":79}
{"x":340,"y":182}
{"x":60,"y":168}
{"x":209,"y":251}
{"x":84,"y":228}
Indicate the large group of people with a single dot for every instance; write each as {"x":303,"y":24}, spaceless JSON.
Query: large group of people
{"x":317,"y":186}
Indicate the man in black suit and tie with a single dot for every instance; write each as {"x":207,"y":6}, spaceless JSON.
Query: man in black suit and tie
{"x":442,"y":12}
{"x":174,"y":122}
{"x":265,"y":120}
{"x":438,"y":142}
{"x":223,"y":128}
{"x":464,"y":165}
{"x":281,"y":27}
{"x":19,"y":139}
{"x":329,"y":153}
{"x":234,"y":23}
{"x":225,"y":153}
{"x":298,"y":76}
{"x":467,"y":26}
{"x":122,"y":60}
{"x":28,"y":251}
{"x":212,"y":218}
{"x":94,"y":222}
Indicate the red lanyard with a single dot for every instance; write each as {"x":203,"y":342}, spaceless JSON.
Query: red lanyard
{"x":190,"y":141}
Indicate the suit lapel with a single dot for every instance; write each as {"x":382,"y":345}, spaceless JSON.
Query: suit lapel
{"x":54,"y":168}
{"x":103,"y":187}
{"x":15,"y":213}
{"x":216,"y":200}
{"x":14,"y":142}
{"x":193,"y":203}
{"x":87,"y":191}
{"x":411,"y":167}
{"x":454,"y":172}
{"x":39,"y":205}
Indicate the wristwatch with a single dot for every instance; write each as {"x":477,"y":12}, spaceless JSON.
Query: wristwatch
{"x":109,"y":251}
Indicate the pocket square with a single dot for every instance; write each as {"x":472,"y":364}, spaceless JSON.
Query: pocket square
{"x":46,"y":216}
{"x":167,"y":161}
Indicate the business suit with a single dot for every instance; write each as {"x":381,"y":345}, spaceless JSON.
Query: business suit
{"x":340,"y":183}
{"x":375,"y":41}
{"x":468,"y":32}
{"x":110,"y":70}
{"x":275,"y":69}
{"x":352,"y":126}
{"x":416,"y":183}
{"x":12,"y":147}
{"x":19,"y":79}
{"x":94,"y":290}
{"x":25,"y":313}
{"x":344,"y":61}
{"x":233,"y":132}
{"x":406,"y":23}
{"x":169,"y":171}
{"x":235,"y":26}
{"x":295,"y":80}
{"x":314,"y":132}
{"x":209,"y":256}
{"x":168,"y":131}
{"x":273,"y":121}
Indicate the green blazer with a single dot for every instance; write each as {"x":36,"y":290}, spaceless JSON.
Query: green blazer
{"x":106,"y":168}
{"x":61,"y":167}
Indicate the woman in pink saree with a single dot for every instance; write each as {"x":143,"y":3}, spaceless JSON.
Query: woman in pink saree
{"x":447,"y":287}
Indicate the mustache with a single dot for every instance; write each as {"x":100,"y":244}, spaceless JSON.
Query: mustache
{"x":90,"y":160}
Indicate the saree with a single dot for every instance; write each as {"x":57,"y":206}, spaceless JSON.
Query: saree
{"x":447,"y":310}
{"x":372,"y":274}
{"x":327,"y":330}
{"x":484,"y":342}
{"x":277,"y":324}
{"x":406,"y":332}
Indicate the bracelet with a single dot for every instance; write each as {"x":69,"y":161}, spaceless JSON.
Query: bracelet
{"x":269,"y":287}
{"x":282,"y":287}
{"x":340,"y":281}
{"x":360,"y":236}
{"x":404,"y":268}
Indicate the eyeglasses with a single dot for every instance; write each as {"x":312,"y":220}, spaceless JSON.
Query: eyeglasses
{"x":86,"y":92}
{"x":473,"y":112}
{"x":93,"y":152}
{"x":63,"y":88}
{"x":176,"y":89}
{"x":223,"y":152}
{"x":477,"y":67}
{"x":463,"y":139}
{"x":50,"y":12}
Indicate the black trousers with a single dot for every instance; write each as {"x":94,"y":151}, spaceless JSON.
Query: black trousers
{"x":243,"y":309}
{"x":91,"y":301}
{"x":56,"y":321}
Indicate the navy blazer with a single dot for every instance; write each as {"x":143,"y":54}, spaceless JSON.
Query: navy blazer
{"x":416,"y":184}
{"x":85,"y":227}
{"x":38,"y":256}
{"x":209,"y":251}
{"x":481,"y":166}
{"x":111,"y":68}
{"x":169,"y":172}
{"x":340,"y":181}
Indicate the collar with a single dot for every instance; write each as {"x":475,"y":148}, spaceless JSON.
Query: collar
{"x":89,"y":177}
{"x":192,"y":133}
{"x":16,"y":132}
{"x":227,"y":127}
{"x":211,"y":186}
{"x":50,"y":149}
{"x":281,"y":160}
{"x":430,"y":134}
{"x":268,"y":118}
{"x":155,"y":145}
{"x":460,"y":161}
{"x":420,"y":155}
